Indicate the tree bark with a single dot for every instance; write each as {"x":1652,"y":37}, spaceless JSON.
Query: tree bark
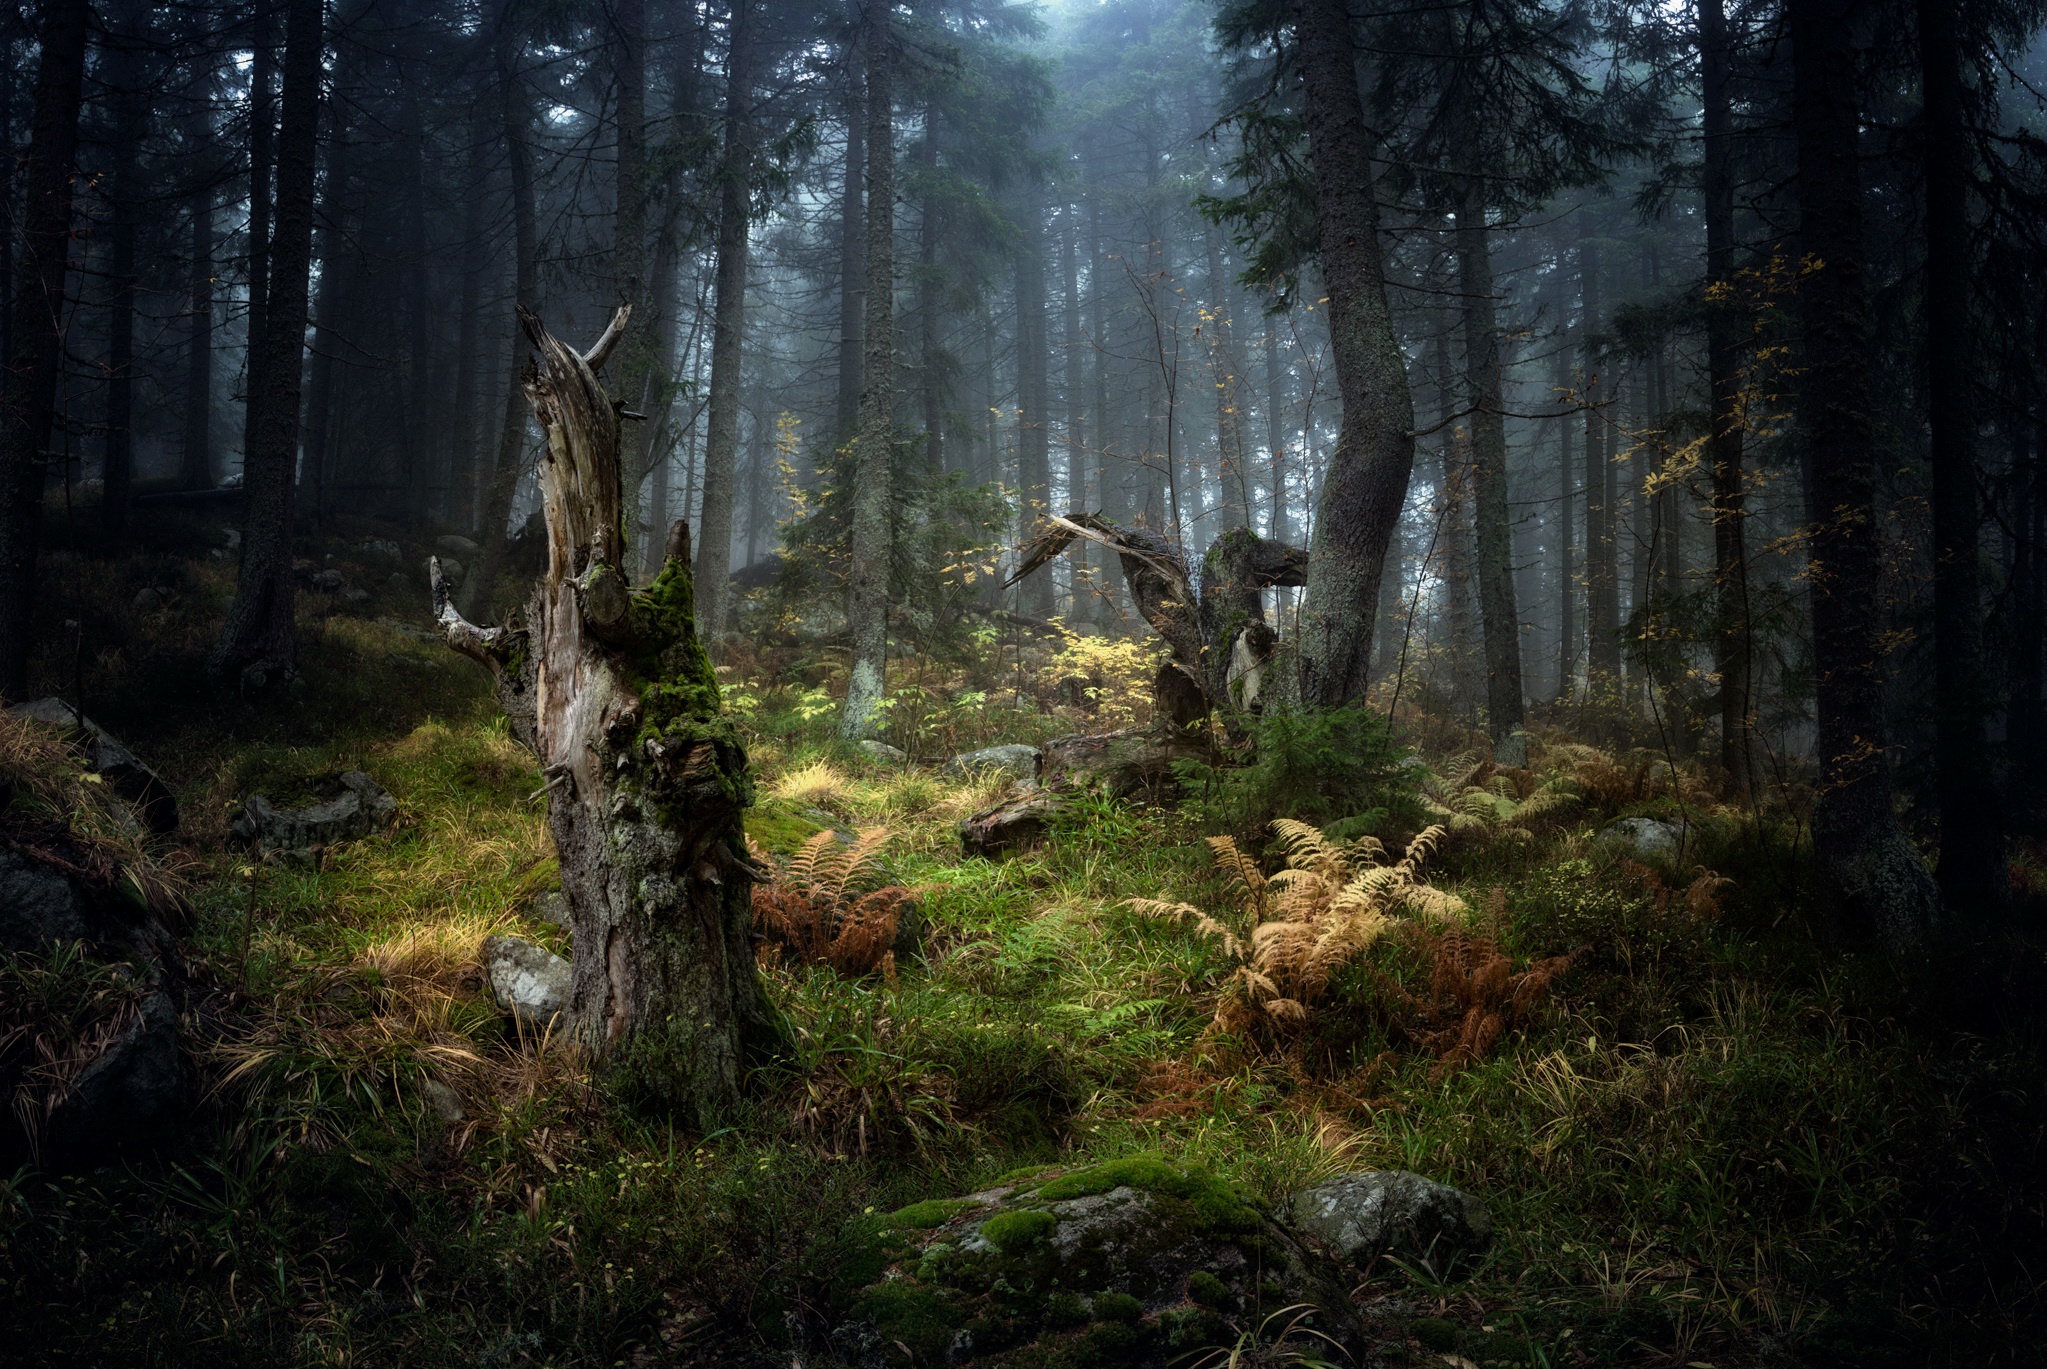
{"x":1972,"y":863}
{"x":1082,"y":607}
{"x":479,"y":591}
{"x":196,"y":459}
{"x":1232,"y":472}
{"x":338,"y":270}
{"x":1366,"y":481}
{"x":1724,"y":438}
{"x":36,"y":334}
{"x":1499,"y":616}
{"x":1567,"y":589}
{"x":1602,"y":548}
{"x":1033,"y":446}
{"x":629,"y":230}
{"x":124,"y":70}
{"x":867,"y":578}
{"x":1875,"y":881}
{"x":728,"y":336}
{"x":646,"y":779}
{"x":852,"y":254}
{"x":259,"y":641}
{"x":262,"y":156}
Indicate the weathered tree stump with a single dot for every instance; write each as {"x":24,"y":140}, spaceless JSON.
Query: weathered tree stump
{"x":1135,"y":763}
{"x":646,"y":780}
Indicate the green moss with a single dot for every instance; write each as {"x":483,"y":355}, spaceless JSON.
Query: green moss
{"x":921,"y":1319}
{"x":1064,"y":1309}
{"x":1217,"y":1204}
{"x":1109,"y":1337}
{"x":1191,"y":1328}
{"x":1011,"y":1232}
{"x":1022,"y":1175}
{"x":675,"y":677}
{"x":925,"y":1215}
{"x":1435,"y":1332}
{"x":1117,"y":1307}
{"x":774,"y":827}
{"x":1206,"y":1289}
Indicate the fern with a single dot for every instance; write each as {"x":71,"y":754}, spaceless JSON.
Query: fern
{"x":819,"y":908}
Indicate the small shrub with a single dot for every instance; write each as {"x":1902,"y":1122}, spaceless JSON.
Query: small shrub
{"x":1336,"y":767}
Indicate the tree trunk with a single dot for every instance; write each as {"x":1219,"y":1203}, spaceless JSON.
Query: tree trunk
{"x":1033,"y":447}
{"x":629,"y":231}
{"x":646,"y":779}
{"x":1232,"y":472}
{"x":259,"y":641}
{"x":1365,"y":485}
{"x":338,"y":271}
{"x":197,"y":456}
{"x":262,"y":155}
{"x":1275,"y":427}
{"x":1602,"y":547}
{"x":479,"y":591}
{"x":1874,"y":880}
{"x":1567,"y":589}
{"x":35,"y":337}
{"x":867,"y":578}
{"x":931,"y":361}
{"x":1972,"y":863}
{"x":131,"y":120}
{"x":721,"y":447}
{"x":852,"y":255}
{"x":1082,"y":607}
{"x":1499,"y":616}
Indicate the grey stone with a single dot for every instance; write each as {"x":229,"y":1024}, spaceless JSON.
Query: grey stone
{"x":530,"y":982}
{"x":398,"y":582}
{"x":153,"y":597}
{"x":362,"y":807}
{"x":114,"y":763}
{"x":380,"y":546}
{"x":355,"y":594}
{"x":40,"y":905}
{"x":454,"y":544}
{"x":444,"y":1101}
{"x":453,"y":569}
{"x":327,"y":581}
{"x":1642,"y":838}
{"x":883,"y":752}
{"x":127,"y":1098}
{"x":1016,"y":760}
{"x":551,"y":906}
{"x":1370,"y":1213}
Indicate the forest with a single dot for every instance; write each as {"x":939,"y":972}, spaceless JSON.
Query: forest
{"x":866,"y":684}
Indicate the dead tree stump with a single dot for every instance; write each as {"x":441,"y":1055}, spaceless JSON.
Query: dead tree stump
{"x":646,"y":780}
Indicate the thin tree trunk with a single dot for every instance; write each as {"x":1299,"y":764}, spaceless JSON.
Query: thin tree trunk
{"x":1366,"y":482}
{"x":259,"y":641}
{"x":1033,"y":447}
{"x":1232,"y":471}
{"x":1499,"y":616}
{"x":262,"y":156}
{"x":1972,"y":862}
{"x":930,"y":289}
{"x":1275,"y":426}
{"x":867,"y":579}
{"x":629,"y":231}
{"x":479,"y":591}
{"x":1874,"y":880}
{"x":1602,"y":559}
{"x":338,"y":271}
{"x":852,"y":255}
{"x":36,"y":335}
{"x":728,"y":337}
{"x":197,"y":457}
{"x":466,"y":463}
{"x":1082,"y":607}
{"x":131,"y":114}
{"x":1567,"y":589}
{"x":647,"y":781}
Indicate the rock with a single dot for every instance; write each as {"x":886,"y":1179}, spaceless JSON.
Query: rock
{"x":453,"y":569}
{"x":1017,"y":761}
{"x":141,"y":787}
{"x":454,"y":544}
{"x":355,"y":594}
{"x":530,"y":982}
{"x":550,"y":906}
{"x":153,"y":597}
{"x":1012,"y":826}
{"x":302,"y":569}
{"x":327,"y":581}
{"x":363,"y":806}
{"x":382,"y":547}
{"x":127,"y":1098}
{"x":883,"y":752}
{"x":1641,"y":838}
{"x":398,"y":582}
{"x":1364,"y":1215}
{"x":445,"y":1103}
{"x":1134,"y":1262}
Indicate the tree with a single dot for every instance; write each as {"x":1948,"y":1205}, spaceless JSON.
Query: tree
{"x":735,"y":210}
{"x":36,"y":331}
{"x":260,"y":638}
{"x":874,"y":438}
{"x":1875,"y":880}
{"x":646,"y":780}
{"x":1366,"y":481}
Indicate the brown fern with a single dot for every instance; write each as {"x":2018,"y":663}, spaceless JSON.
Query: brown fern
{"x":1475,"y":996}
{"x":816,"y":910}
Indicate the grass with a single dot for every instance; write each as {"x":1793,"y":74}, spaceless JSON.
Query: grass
{"x":1724,"y":1144}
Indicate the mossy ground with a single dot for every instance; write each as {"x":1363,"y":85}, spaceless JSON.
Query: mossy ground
{"x":1728,"y":1143}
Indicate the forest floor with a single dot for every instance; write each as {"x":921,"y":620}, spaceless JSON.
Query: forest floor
{"x":1716,"y":1141}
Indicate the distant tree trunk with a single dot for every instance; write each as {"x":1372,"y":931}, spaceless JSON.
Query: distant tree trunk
{"x":1567,"y":590}
{"x":629,"y":231}
{"x":1972,"y":868}
{"x":728,"y":337}
{"x":338,"y":272}
{"x":1874,"y":879}
{"x":1275,"y":426}
{"x":1033,"y":434}
{"x":1082,"y":607}
{"x":1499,"y":616}
{"x":36,"y":335}
{"x":197,"y":458}
{"x":479,"y":591}
{"x":262,"y":155}
{"x":931,"y":376}
{"x":852,"y":254}
{"x":1365,"y":485}
{"x":867,"y":578}
{"x":1232,"y":471}
{"x":1602,"y":546}
{"x":131,"y":120}
{"x":646,"y":779}
{"x":467,"y":464}
{"x":259,"y":641}
{"x":421,"y":402}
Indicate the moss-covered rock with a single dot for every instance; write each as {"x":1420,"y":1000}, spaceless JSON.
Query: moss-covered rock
{"x":1136,"y":1261}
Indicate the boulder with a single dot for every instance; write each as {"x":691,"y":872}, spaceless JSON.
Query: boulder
{"x":398,"y":582}
{"x":382,"y":547}
{"x":355,"y":594}
{"x":530,"y":982}
{"x":153,"y":597}
{"x":1361,"y":1216}
{"x":126,"y":1098}
{"x":454,"y":544}
{"x":453,"y":569}
{"x":327,"y":581}
{"x":1016,"y":761}
{"x":550,"y":906}
{"x":1641,"y":838}
{"x":115,"y":764}
{"x":1137,"y":1262}
{"x":883,"y":752}
{"x":362,"y":807}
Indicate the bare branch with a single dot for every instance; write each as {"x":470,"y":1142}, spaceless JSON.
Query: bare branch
{"x":490,"y":646}
{"x":601,"y":350}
